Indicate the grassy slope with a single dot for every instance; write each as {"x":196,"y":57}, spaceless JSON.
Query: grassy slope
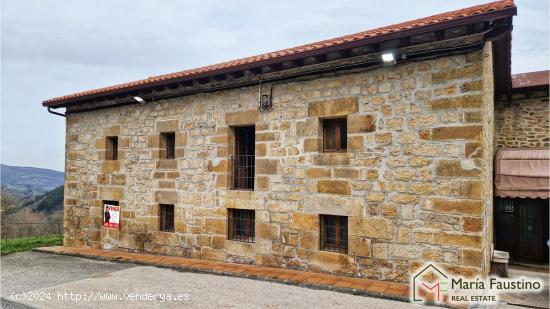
{"x":8,"y":246}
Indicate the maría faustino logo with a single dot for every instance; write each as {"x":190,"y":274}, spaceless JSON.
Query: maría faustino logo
{"x":432,"y":284}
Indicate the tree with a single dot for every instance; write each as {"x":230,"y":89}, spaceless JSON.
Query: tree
{"x":9,"y":203}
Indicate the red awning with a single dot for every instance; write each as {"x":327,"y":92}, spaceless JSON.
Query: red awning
{"x":522,"y":173}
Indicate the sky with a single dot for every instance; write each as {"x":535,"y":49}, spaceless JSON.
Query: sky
{"x":52,"y":48}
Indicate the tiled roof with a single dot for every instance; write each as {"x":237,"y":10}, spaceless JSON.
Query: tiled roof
{"x":331,"y":43}
{"x":530,"y":79}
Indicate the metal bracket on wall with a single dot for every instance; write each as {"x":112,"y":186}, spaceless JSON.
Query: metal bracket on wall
{"x":265,"y":102}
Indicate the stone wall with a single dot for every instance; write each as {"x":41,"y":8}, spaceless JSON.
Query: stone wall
{"x":488,"y":113}
{"x":410,"y":182}
{"x":523,"y":123}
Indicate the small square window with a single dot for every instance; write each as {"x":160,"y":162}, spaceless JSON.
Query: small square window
{"x":111,"y":151}
{"x":335,"y":135}
{"x":166,"y":213}
{"x":334,"y":233}
{"x":168,"y":144}
{"x":507,"y":205}
{"x":241,"y":225}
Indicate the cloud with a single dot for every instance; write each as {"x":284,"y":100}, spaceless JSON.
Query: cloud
{"x":56,"y":47}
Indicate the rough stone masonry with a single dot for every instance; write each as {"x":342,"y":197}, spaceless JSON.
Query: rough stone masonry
{"x":415,"y":182}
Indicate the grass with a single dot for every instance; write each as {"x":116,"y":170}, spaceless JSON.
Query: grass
{"x":8,"y":246}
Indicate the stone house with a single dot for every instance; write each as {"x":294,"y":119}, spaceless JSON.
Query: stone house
{"x":364,"y":155}
{"x":522,"y":167}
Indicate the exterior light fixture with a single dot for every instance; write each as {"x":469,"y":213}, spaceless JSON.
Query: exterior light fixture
{"x":388,"y":58}
{"x":140,"y":100}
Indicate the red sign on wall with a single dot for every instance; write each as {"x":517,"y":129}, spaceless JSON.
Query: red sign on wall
{"x":111,"y":216}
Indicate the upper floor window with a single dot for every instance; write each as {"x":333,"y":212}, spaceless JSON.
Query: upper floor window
{"x":111,"y":151}
{"x":243,"y":160}
{"x":335,"y":135}
{"x":168,"y":145}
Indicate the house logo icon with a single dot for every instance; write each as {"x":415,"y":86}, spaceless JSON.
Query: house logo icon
{"x":430,"y":284}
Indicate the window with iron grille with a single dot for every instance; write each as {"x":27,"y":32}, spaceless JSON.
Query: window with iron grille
{"x":334,"y":233}
{"x":166,"y":214}
{"x":168,"y":145}
{"x":335,"y":135}
{"x":244,"y":158}
{"x":506,"y":205}
{"x":111,"y":151}
{"x":241,"y":225}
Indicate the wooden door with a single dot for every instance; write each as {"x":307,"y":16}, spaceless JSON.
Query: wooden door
{"x":530,"y":231}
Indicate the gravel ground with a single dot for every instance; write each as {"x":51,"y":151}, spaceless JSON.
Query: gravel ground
{"x":27,"y":271}
{"x":535,"y":300}
{"x":59,"y":276}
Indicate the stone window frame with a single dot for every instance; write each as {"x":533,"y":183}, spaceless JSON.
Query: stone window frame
{"x":224,"y":140}
{"x":358,"y":124}
{"x":157,"y":147}
{"x":102,"y":147}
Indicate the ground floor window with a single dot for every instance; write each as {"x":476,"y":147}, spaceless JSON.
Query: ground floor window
{"x":334,"y":233}
{"x":166,"y":213}
{"x":241,"y":225}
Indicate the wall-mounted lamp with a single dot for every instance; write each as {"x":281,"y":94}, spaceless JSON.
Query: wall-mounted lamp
{"x":388,"y":58}
{"x":140,"y":100}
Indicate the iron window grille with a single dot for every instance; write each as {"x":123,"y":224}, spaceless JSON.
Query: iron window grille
{"x":335,"y":134}
{"x":241,"y":225}
{"x":334,"y":233}
{"x":166,"y":214}
{"x":242,"y":172}
{"x":243,"y":158}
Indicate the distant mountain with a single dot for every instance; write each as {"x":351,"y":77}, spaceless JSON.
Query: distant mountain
{"x":33,"y":215}
{"x":29,"y":181}
{"x":49,"y":202}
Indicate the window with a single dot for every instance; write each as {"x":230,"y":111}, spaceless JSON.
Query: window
{"x":241,"y":225}
{"x":168,"y":145}
{"x":166,"y":213}
{"x":335,"y":135}
{"x":334,"y":233}
{"x":244,"y":158}
{"x":507,"y":205}
{"x":111,"y":153}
